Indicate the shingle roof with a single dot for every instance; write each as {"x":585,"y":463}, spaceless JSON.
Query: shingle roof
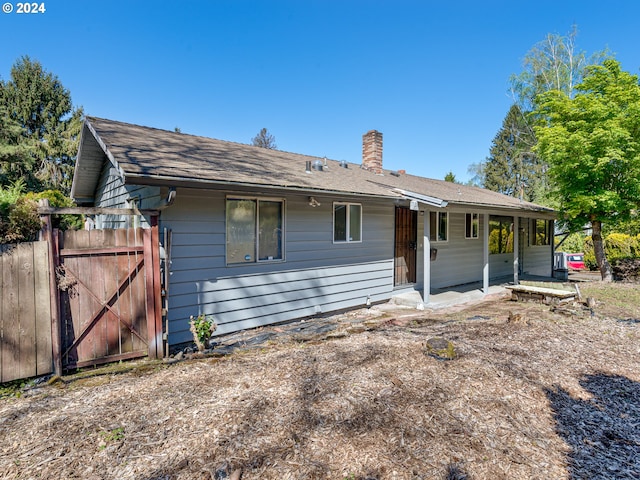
{"x":150,"y":155}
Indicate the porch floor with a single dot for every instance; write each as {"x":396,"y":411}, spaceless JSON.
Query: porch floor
{"x":459,"y":294}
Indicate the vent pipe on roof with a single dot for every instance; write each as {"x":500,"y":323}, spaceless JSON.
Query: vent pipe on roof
{"x":307,"y":167}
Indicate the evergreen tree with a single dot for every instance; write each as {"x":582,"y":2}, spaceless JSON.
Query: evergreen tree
{"x":450,"y":177}
{"x":16,"y":162}
{"x":512,"y":168}
{"x":37,"y":101}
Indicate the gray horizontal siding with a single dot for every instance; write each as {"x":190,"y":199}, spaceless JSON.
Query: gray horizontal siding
{"x":316,"y":275}
{"x":112,"y":192}
{"x":500,"y":265}
{"x":459,"y":260}
{"x":537,"y":260}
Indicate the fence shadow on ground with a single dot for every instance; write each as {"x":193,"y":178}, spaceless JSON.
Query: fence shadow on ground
{"x":602,"y":432}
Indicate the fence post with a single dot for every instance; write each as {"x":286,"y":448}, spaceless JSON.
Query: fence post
{"x":47,"y":235}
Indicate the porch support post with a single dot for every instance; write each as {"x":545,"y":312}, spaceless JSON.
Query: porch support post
{"x":516,"y":249}
{"x":552,"y":233}
{"x":485,"y":251}
{"x":426,"y":258}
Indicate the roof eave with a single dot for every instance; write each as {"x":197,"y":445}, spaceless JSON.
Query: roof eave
{"x":80,"y":186}
{"x":162,"y":180}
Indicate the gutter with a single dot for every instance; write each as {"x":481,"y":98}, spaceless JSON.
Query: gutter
{"x":138,"y":179}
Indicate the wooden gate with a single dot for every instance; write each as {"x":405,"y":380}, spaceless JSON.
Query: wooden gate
{"x":109,"y":282}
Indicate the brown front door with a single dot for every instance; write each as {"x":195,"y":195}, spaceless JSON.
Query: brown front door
{"x":405,"y":246}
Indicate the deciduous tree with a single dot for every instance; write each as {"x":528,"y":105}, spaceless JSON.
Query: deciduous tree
{"x":592,"y":145}
{"x":512,"y":167}
{"x":265,"y":140}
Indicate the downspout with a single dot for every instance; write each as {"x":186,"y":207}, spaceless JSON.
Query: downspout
{"x":166,"y":202}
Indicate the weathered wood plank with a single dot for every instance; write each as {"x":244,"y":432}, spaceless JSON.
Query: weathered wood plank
{"x":42,"y":308}
{"x":26,"y":310}
{"x":541,"y":290}
{"x":128,"y":341}
{"x":137,"y":293}
{"x":11,"y":320}
{"x":55,"y":300}
{"x":548,"y":296}
{"x":111,"y":282}
{"x":86,"y":303}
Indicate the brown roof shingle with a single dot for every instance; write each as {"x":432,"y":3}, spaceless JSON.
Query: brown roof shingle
{"x":150,"y":155}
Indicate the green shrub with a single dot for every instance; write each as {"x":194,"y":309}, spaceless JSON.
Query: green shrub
{"x":202,"y":327}
{"x":617,"y":246}
{"x":58,"y":199}
{"x":23,"y":222}
{"x":574,"y":243}
{"x":19,"y":219}
{"x":9,"y":196}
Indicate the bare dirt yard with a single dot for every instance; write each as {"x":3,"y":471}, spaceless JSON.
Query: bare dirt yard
{"x":532,"y":394}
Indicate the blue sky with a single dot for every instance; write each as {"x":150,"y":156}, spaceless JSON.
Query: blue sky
{"x":432,"y":76}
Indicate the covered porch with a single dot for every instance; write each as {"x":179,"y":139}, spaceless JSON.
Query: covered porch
{"x":461,"y":294}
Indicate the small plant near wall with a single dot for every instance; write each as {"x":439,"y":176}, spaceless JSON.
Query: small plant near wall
{"x":202,"y":327}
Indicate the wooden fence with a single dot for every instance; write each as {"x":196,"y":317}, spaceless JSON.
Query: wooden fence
{"x":25,"y":311}
{"x":79,"y":299}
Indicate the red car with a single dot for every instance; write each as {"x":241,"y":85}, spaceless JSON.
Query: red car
{"x":575,"y":261}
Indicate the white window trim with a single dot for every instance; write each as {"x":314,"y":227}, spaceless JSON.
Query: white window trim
{"x":436,"y":234}
{"x":257,"y":243}
{"x":333,"y":215}
{"x":465,"y":226}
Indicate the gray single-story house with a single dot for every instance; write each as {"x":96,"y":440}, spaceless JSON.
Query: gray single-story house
{"x":261,"y":236}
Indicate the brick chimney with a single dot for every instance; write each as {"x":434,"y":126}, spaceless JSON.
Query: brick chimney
{"x":372,"y":151}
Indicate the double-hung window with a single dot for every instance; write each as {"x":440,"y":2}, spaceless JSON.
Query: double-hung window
{"x":472,"y":225}
{"x":347,"y":222}
{"x":255,"y":230}
{"x":438,"y":226}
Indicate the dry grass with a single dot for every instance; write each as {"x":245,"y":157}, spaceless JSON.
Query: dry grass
{"x":542,"y":396}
